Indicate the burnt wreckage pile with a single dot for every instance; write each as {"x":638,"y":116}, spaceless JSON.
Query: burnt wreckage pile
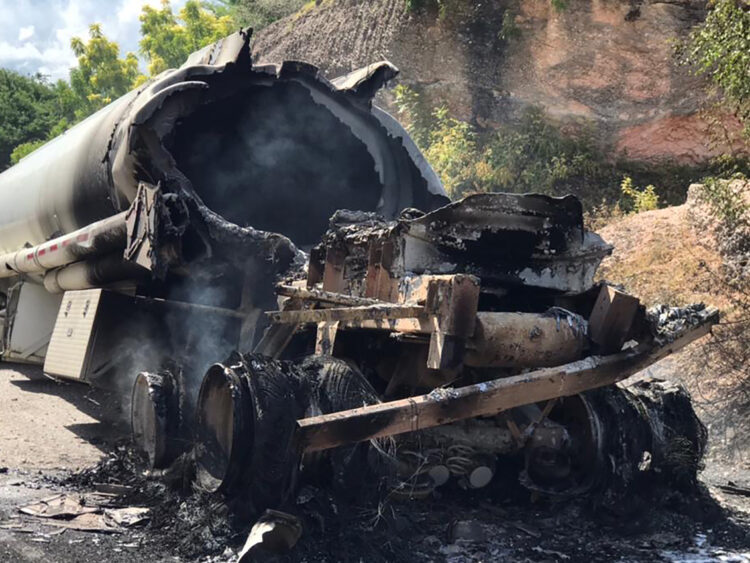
{"x":437,"y":348}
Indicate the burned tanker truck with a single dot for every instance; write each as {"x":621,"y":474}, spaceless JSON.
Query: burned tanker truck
{"x":265,"y":267}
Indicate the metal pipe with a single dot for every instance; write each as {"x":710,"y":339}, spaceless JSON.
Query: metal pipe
{"x":89,"y":274}
{"x":525,"y":340}
{"x":98,"y":238}
{"x":490,"y":397}
{"x":193,"y":307}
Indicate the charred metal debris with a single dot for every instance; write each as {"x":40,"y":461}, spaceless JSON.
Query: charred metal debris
{"x":169,"y":136}
{"x":444,"y":347}
{"x":373,"y":331}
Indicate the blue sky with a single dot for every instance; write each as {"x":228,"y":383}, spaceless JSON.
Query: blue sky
{"x":35,"y":34}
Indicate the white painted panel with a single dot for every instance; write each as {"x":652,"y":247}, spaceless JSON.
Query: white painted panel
{"x":33,"y":323}
{"x":70,"y":347}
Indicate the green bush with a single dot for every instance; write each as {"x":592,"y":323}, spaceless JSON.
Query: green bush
{"x":30,"y":109}
{"x":534,"y":155}
{"x":415,"y":113}
{"x":637,"y":199}
{"x":24,"y":149}
{"x":726,"y":203}
{"x":440,"y":6}
{"x":452,"y":151}
{"x":719,"y":49}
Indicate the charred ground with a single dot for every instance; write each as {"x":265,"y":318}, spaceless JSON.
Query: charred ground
{"x":374,"y":524}
{"x":371,"y":522}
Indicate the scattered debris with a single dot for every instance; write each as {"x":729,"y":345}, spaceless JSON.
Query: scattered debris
{"x":16,"y":527}
{"x":667,"y":322}
{"x":531,"y":530}
{"x":88,"y":523}
{"x":128,"y":517}
{"x":274,"y":533}
{"x":59,"y":506}
{"x":467,"y":530}
{"x":113,"y":488}
{"x":85,"y":513}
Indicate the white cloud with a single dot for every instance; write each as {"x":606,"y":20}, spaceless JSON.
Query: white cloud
{"x":23,"y":52}
{"x":73,"y":24}
{"x":130,"y":10}
{"x":45,"y":27}
{"x":28,"y":58}
{"x":25,"y":33}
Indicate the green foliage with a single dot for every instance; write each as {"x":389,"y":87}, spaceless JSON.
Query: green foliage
{"x":101,"y":76}
{"x":719,"y":49}
{"x":726,"y":203}
{"x":415,"y":113}
{"x":33,"y":112}
{"x":415,"y":5}
{"x":30,"y":109}
{"x":25,"y":149}
{"x":442,"y":7}
{"x":636,"y":199}
{"x":168,"y":39}
{"x":261,"y":13}
{"x":450,"y":145}
{"x":529,"y":156}
{"x":452,"y":151}
{"x":534,"y":155}
{"x":729,"y":166}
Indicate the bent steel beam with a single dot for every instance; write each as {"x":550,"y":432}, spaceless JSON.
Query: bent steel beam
{"x":443,"y":406}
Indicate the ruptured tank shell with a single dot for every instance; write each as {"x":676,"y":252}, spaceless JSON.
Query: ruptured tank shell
{"x":276,"y":147}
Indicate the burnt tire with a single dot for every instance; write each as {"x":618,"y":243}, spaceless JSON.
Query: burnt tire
{"x":335,"y":385}
{"x":625,"y":441}
{"x":279,"y":396}
{"x":247,"y":412}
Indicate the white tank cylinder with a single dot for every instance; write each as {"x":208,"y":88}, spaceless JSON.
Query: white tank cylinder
{"x":265,"y":147}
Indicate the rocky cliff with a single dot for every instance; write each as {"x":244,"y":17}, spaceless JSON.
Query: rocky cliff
{"x":606,"y":66}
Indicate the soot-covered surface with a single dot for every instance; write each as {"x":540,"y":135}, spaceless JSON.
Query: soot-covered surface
{"x":367,"y":523}
{"x":274,"y":159}
{"x":375,"y":524}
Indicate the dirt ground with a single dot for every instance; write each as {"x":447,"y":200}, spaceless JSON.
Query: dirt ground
{"x":47,"y":424}
{"x":49,"y":431}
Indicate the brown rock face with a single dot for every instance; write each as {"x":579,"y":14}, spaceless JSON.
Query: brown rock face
{"x":606,"y":65}
{"x":682,"y":137}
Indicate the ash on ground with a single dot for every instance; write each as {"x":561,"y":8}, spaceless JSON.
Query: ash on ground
{"x":377,"y":522}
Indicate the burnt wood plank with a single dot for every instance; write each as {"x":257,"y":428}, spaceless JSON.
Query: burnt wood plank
{"x":449,"y":405}
{"x":612,"y":318}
